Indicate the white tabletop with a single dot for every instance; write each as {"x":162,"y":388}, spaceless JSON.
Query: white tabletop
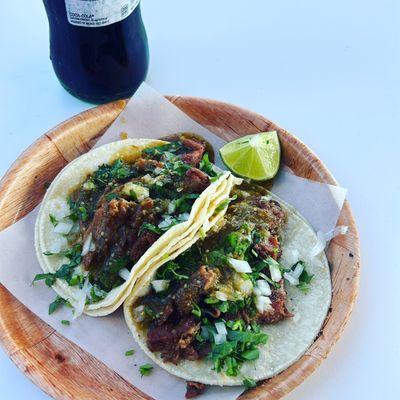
{"x":329,"y":73}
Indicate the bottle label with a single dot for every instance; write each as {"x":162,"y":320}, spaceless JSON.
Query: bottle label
{"x":95,"y":13}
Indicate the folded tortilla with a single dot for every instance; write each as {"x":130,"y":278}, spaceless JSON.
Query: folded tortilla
{"x":288,"y":339}
{"x":55,"y":204}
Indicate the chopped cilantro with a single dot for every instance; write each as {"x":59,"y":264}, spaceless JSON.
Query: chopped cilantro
{"x":65,"y":322}
{"x":57,"y":303}
{"x":237,"y":325}
{"x":107,"y":173}
{"x":53,"y":220}
{"x":129,"y":353}
{"x":111,"y":196}
{"x":233,"y":307}
{"x":76,"y":280}
{"x":216,"y":258}
{"x":304,"y":279}
{"x":78,"y":211}
{"x":239,"y":347}
{"x":207,"y":166}
{"x":237,"y":243}
{"x":66,"y":271}
{"x":149,"y":312}
{"x":158,"y":151}
{"x":224,"y":204}
{"x":215,"y":178}
{"x":120,"y":170}
{"x":184,"y":204}
{"x":150,"y":227}
{"x":97,"y":294}
{"x":250,"y":355}
{"x":169,"y":271}
{"x":177,"y":167}
{"x":133,"y":195}
{"x":211,"y":300}
{"x":196,"y":310}
{"x":145,"y":369}
{"x":249,"y":383}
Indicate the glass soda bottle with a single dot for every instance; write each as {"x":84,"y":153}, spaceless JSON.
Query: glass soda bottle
{"x":98,"y":48}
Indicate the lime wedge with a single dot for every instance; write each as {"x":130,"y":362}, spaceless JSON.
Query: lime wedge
{"x":255,"y":156}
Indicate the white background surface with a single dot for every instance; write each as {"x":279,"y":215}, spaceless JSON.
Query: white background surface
{"x":329,"y":73}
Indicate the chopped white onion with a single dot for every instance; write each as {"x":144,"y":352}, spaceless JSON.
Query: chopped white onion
{"x":124,"y":274}
{"x":89,"y":185}
{"x":139,"y":314}
{"x":246,"y":287}
{"x":158,"y":170}
{"x":241,"y":266}
{"x":266,"y":198}
{"x":92,"y":246}
{"x":80,"y":305}
{"x":87,"y":244}
{"x":63,"y":227}
{"x":263,"y":303}
{"x":291,"y":279}
{"x":298,"y":270}
{"x":221,"y":296}
{"x":56,"y":248}
{"x":141,"y":192}
{"x":147,"y":179}
{"x":160,"y":285}
{"x":171,"y":207}
{"x":75,"y":228}
{"x":221,"y":328}
{"x":166,"y":222}
{"x":58,"y":245}
{"x":219,"y":338}
{"x":324,"y":238}
{"x":262,"y":288}
{"x":275,"y":272}
{"x":184,"y":216}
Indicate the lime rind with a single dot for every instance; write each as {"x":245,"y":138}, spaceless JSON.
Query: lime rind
{"x":255,"y":156}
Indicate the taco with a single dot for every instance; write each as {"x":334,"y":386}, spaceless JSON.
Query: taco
{"x":241,"y":303}
{"x":114,"y":211}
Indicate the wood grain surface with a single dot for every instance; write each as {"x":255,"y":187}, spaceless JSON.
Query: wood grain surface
{"x":65,"y":371}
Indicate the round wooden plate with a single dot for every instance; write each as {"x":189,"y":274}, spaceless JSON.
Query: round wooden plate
{"x":61,"y":368}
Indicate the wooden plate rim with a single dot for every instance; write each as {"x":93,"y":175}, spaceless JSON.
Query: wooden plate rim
{"x":275,"y":387}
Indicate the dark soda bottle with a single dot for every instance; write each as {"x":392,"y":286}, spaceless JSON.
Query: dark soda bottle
{"x":98,"y":48}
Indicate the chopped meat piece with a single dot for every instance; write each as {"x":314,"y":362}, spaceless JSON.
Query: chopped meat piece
{"x":199,"y":284}
{"x":195,"y":181}
{"x":189,"y":353}
{"x":278,"y":310}
{"x":143,"y":164}
{"x":262,"y":213}
{"x":270,"y":248}
{"x":194,"y":389}
{"x":145,"y":240}
{"x":147,"y":204}
{"x":174,"y":341}
{"x":204,"y":349}
{"x":245,"y":316}
{"x":106,"y":228}
{"x":160,"y":337}
{"x":118,"y":208}
{"x":214,"y":312}
{"x":114,"y":228}
{"x":194,"y":156}
{"x":277,"y":215}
